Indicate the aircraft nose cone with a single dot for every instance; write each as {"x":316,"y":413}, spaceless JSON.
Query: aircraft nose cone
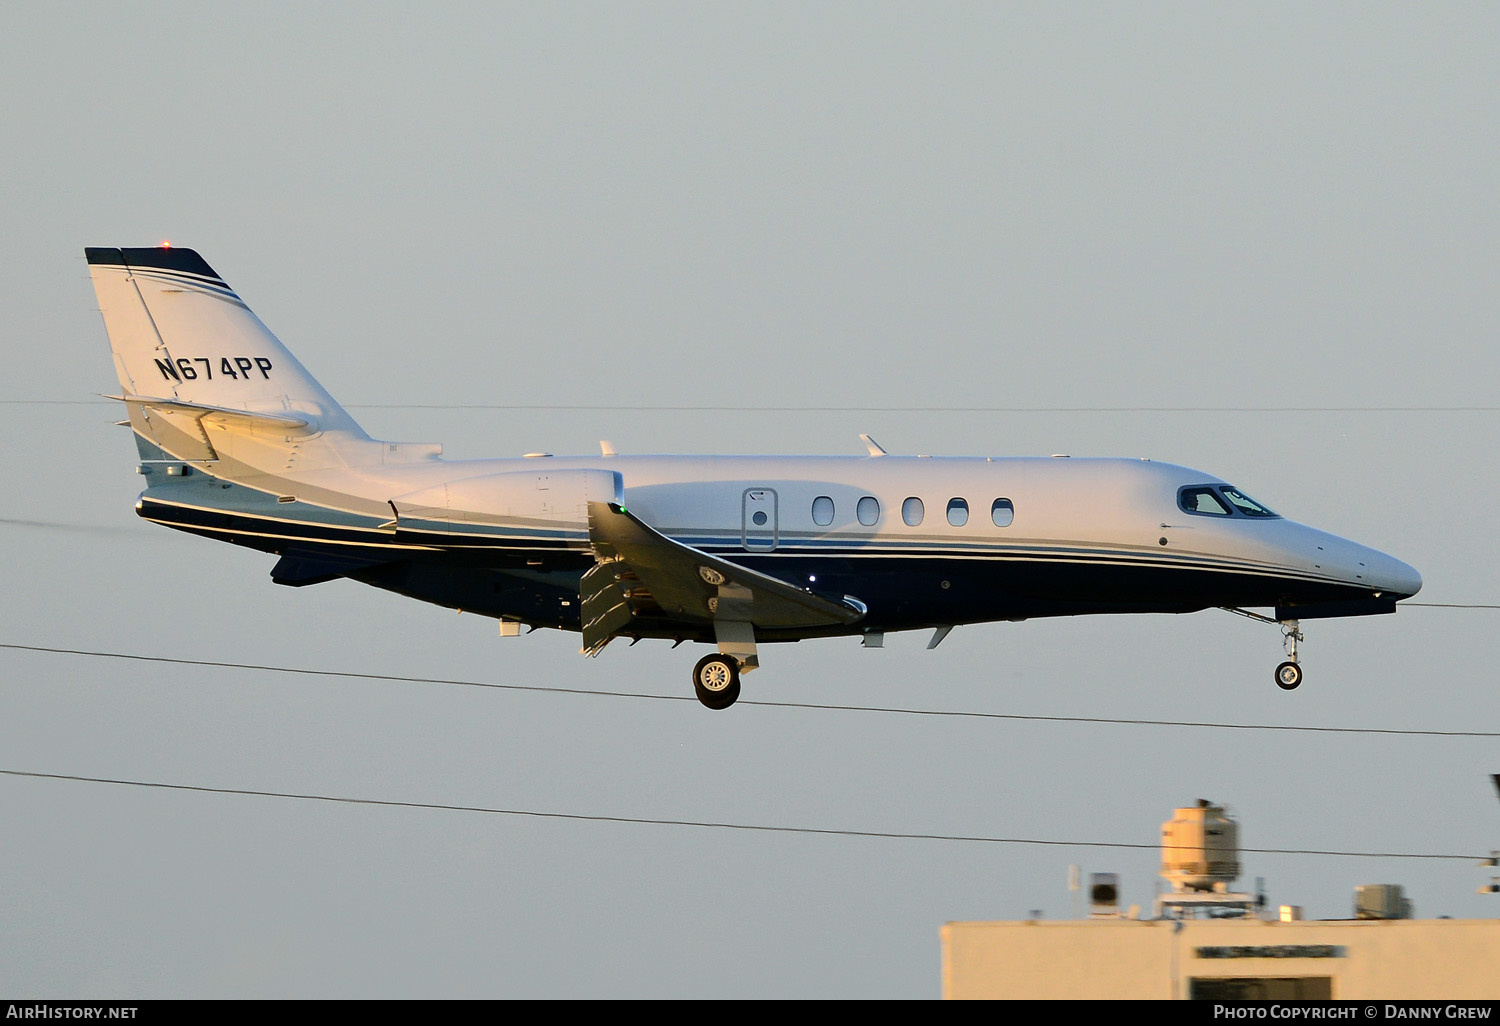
{"x":1399,"y":579}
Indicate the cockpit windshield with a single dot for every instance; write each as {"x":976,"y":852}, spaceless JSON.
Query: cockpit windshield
{"x":1220,"y":501}
{"x":1244,"y":504}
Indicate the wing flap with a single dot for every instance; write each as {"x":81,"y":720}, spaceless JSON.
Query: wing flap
{"x":606,"y":606}
{"x":639,"y":570}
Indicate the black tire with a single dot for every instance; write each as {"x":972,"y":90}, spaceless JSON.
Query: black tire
{"x":1288,"y":676}
{"x":716,"y":681}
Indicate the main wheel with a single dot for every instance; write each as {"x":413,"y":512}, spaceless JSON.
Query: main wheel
{"x":1288,"y":676}
{"x":716,"y":681}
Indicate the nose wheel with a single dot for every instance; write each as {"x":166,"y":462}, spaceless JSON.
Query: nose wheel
{"x":1289,"y":673}
{"x":1288,"y":676}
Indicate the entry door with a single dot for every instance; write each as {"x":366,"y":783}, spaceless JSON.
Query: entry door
{"x":758,"y":527}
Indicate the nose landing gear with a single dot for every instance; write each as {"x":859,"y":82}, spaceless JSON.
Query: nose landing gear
{"x":1289,"y":673}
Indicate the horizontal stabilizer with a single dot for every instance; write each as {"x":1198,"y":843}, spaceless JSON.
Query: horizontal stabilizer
{"x":280,"y":421}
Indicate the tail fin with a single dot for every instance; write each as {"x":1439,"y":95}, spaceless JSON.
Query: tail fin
{"x":178,"y":331}
{"x":190,"y":356}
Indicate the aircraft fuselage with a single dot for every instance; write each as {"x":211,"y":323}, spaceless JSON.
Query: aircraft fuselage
{"x":950,"y":540}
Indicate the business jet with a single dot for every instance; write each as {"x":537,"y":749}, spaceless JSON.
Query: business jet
{"x":238,"y":442}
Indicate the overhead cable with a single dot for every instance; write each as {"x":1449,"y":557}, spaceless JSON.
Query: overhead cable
{"x":706,"y":824}
{"x":893,"y":710}
{"x":673,"y":408}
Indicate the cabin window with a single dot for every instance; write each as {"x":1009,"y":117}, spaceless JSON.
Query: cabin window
{"x":822,"y":511}
{"x":1202,"y":500}
{"x":868,"y":510}
{"x":1246,"y":505}
{"x":958,"y":512}
{"x":1002,"y":512}
{"x":912,"y":512}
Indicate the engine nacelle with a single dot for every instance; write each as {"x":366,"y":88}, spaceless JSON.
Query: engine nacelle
{"x":510,"y":506}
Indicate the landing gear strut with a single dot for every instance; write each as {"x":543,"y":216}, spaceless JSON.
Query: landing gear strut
{"x":716,"y":681}
{"x":1289,"y":673}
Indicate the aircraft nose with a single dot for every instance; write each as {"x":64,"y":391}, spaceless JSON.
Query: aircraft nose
{"x":1397,"y":578}
{"x":1365,"y":567}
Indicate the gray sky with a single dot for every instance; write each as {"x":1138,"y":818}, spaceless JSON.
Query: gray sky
{"x":964,"y":209}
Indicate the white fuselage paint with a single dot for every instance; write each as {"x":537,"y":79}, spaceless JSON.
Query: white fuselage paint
{"x":1086,"y":509}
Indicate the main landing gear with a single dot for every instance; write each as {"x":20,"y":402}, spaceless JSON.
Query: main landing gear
{"x":1289,"y":673}
{"x":716,"y":680}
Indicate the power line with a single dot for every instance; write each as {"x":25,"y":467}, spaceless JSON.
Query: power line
{"x":706,"y":824}
{"x":607,"y":407}
{"x":892,"y":710}
{"x":1452,"y":605}
{"x":673,"y":408}
{"x":57,"y":525}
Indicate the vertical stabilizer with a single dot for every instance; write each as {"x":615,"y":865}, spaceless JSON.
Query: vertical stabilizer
{"x":179,"y":332}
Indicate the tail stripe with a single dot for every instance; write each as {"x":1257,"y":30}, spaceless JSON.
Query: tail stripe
{"x":212,"y":286}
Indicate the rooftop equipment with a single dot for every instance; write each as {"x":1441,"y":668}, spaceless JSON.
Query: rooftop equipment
{"x":1200,"y":858}
{"x":1381,"y":901}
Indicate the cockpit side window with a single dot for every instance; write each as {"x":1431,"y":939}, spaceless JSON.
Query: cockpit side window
{"x":1202,"y":500}
{"x":1246,"y":505}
